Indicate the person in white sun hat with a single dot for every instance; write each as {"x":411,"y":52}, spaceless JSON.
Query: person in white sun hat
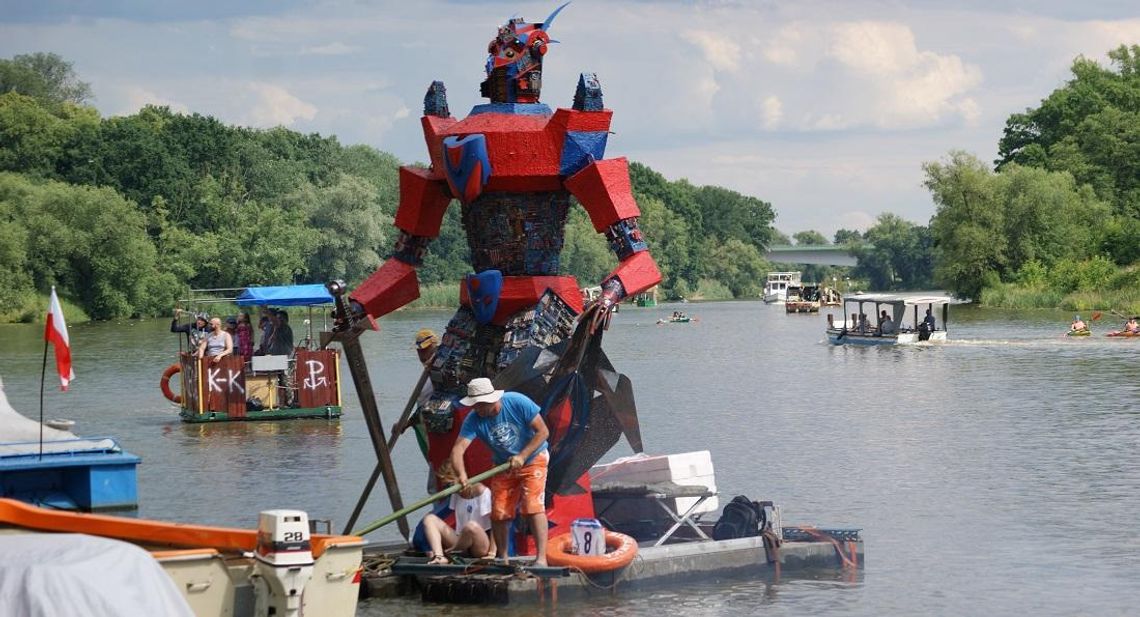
{"x":513,"y":429}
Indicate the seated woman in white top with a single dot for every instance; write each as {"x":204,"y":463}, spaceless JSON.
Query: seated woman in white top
{"x":472,"y":506}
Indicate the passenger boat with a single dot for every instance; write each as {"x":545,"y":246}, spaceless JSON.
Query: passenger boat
{"x":647,"y":298}
{"x":908,"y":311}
{"x":776,"y":287}
{"x":56,"y":468}
{"x":829,"y":296}
{"x":305,"y":383}
{"x":280,"y":568}
{"x":802,"y":299}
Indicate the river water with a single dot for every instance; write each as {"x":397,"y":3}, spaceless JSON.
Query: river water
{"x":996,"y":474}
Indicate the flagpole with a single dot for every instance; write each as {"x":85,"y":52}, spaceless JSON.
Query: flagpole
{"x":43,"y":376}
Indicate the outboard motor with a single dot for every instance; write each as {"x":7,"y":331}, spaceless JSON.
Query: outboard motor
{"x":284,"y":562}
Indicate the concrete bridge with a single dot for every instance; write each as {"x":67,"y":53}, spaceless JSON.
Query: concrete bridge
{"x":822,"y":255}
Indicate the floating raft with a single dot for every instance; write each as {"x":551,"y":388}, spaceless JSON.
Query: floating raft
{"x":803,"y":550}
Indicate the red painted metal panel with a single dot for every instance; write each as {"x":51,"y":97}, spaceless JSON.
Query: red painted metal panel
{"x":392,"y":286}
{"x":520,"y":292}
{"x":224,"y":385}
{"x":316,"y":378}
{"x":423,"y":202}
{"x":604,"y":189}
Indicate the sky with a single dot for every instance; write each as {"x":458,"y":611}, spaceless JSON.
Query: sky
{"x":825,"y":109}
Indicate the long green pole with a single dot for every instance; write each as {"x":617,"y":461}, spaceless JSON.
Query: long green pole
{"x":454,"y":488}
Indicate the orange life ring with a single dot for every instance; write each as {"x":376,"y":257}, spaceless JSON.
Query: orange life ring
{"x":621,"y":549}
{"x":164,"y":383}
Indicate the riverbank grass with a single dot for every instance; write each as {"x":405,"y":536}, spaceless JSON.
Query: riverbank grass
{"x":34,"y":308}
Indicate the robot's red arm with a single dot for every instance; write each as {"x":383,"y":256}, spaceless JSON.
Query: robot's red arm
{"x":604,"y":189}
{"x":423,"y":202}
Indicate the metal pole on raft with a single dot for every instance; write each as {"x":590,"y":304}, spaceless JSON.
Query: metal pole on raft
{"x":349,"y":339}
{"x":391,"y":444}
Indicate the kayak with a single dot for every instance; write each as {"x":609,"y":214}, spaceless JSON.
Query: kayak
{"x":1085,"y":332}
{"x":1124,"y":334}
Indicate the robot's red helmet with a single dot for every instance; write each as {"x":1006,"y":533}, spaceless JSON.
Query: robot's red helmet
{"x":514,"y":60}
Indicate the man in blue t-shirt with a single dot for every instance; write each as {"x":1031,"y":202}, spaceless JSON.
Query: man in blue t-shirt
{"x":512,"y":427}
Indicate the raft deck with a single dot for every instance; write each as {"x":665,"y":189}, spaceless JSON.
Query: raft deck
{"x":803,"y":551}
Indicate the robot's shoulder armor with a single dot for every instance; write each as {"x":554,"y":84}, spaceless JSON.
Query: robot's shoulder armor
{"x":588,"y":95}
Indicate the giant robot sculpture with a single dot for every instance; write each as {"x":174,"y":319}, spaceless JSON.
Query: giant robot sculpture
{"x":513,"y":165}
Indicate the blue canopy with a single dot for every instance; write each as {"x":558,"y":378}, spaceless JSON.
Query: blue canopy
{"x":286,"y":295}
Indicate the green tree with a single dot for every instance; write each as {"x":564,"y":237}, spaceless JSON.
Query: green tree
{"x":810,"y":237}
{"x":585,"y":254}
{"x":90,"y":242}
{"x":1090,"y":127}
{"x":45,"y":77}
{"x":736,"y":264}
{"x":899,"y":255}
{"x":968,"y":224}
{"x":845,"y":236}
{"x":349,"y":226}
{"x":669,"y":241}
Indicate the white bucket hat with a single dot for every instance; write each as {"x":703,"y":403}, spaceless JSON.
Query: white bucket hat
{"x":480,"y":390}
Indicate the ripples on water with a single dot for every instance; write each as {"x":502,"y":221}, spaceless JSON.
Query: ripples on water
{"x":996,"y":474}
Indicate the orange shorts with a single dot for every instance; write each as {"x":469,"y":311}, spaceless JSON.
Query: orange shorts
{"x":527,"y":483}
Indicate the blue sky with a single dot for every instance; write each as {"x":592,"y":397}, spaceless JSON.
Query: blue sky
{"x":825,"y":109}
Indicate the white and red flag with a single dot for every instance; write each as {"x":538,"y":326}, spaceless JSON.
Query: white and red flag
{"x":56,"y":333}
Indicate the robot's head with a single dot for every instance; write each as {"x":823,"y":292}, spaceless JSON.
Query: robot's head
{"x":514,"y":61}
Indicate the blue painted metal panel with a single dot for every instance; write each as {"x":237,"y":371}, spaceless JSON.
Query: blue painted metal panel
{"x":580,"y":148}
{"x":525,"y":109}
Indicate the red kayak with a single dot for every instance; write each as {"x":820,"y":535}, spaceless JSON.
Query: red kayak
{"x":1124,"y":333}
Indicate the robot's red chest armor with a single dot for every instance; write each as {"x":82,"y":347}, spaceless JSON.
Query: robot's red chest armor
{"x":514,"y":152}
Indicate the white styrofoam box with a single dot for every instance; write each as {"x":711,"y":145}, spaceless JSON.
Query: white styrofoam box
{"x":269,"y":363}
{"x":686,"y":469}
{"x":660,"y":468}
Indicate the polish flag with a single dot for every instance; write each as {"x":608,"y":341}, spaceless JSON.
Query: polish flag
{"x":56,"y":333}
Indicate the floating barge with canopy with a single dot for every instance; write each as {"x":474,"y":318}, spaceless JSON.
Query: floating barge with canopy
{"x":304,"y":383}
{"x":908,"y":319}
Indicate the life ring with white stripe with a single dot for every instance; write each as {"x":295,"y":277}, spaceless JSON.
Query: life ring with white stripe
{"x":164,"y":383}
{"x":620,"y":551}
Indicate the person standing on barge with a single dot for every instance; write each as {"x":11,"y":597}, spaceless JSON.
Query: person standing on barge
{"x":510,"y":424}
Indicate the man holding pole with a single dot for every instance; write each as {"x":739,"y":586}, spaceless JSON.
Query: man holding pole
{"x":511,"y":426}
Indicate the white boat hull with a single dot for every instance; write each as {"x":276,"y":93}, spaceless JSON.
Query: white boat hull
{"x":837,"y":336}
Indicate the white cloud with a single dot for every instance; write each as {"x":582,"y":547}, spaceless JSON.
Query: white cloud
{"x":1093,"y":39}
{"x":331,"y":49}
{"x":138,"y":97}
{"x":719,"y":50}
{"x":275,"y":106}
{"x":880,"y":49}
{"x":784,"y":47}
{"x":904,"y":87}
{"x":772,"y":111}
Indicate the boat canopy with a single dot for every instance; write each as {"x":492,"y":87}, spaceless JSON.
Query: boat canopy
{"x":286,"y":295}
{"x":900,"y":299}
